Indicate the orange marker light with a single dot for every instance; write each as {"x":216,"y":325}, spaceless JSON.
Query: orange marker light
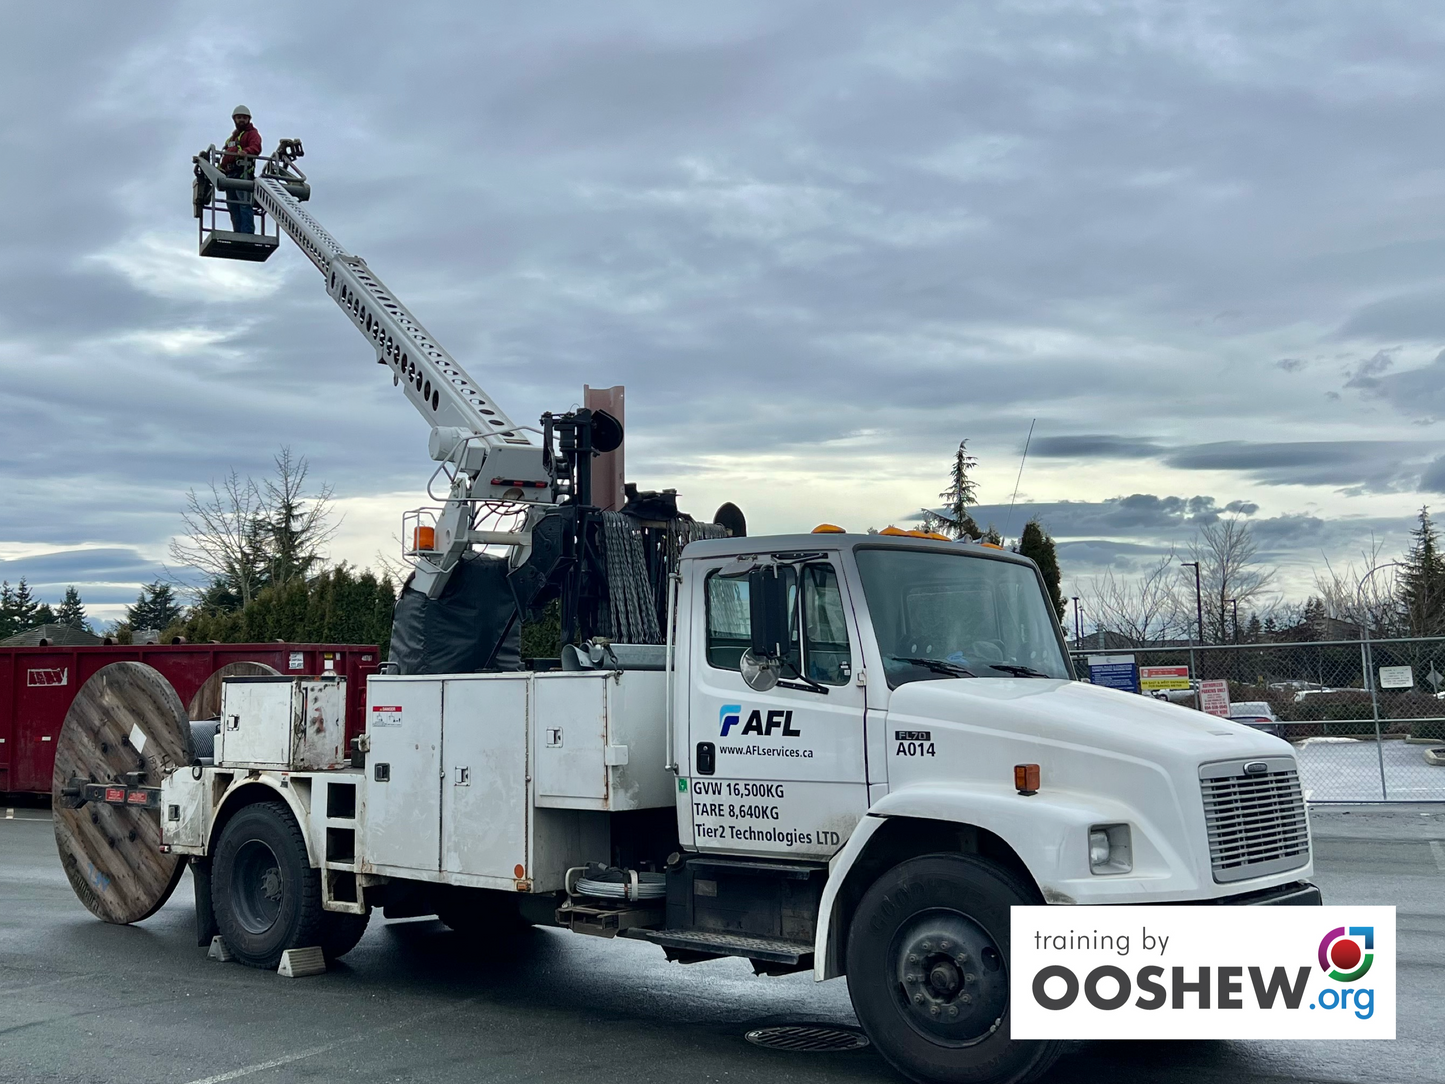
{"x":828,"y":528}
{"x":424,"y":538}
{"x":1026,"y":779}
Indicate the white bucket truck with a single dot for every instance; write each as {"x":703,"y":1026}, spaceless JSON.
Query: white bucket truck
{"x":853,"y":755}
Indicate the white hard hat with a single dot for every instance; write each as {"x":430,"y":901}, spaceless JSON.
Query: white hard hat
{"x":240,"y":111}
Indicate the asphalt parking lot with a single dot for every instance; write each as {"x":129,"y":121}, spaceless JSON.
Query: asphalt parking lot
{"x":82,"y":1001}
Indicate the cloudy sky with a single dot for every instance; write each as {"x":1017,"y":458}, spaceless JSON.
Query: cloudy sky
{"x":1202,"y":244}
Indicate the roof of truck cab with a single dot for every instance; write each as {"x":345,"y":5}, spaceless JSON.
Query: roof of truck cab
{"x":801,"y":543}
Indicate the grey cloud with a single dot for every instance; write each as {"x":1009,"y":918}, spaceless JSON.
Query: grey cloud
{"x":1290,"y":365}
{"x":1100,"y":445}
{"x":1433,"y":480}
{"x":1418,"y":392}
{"x":1367,"y":372}
{"x":1383,"y":466}
{"x":103,"y":576}
{"x":1418,"y":315}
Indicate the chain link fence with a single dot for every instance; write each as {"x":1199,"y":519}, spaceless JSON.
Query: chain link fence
{"x":1366,"y":717}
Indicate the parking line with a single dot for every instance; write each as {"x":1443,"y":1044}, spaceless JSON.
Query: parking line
{"x":1439,"y":850}
{"x":287,"y":1059}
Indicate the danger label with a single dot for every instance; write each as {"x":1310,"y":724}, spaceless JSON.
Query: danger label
{"x":385,"y":715}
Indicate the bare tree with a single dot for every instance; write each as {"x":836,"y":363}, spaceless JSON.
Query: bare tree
{"x":1145,"y":608}
{"x":1229,"y":571}
{"x":243,"y":536}
{"x":1351,"y":595}
{"x":223,"y":537}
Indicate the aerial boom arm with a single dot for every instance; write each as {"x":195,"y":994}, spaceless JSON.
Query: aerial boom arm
{"x":490,"y":457}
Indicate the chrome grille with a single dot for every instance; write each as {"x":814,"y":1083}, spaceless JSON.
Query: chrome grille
{"x":1255,"y":819}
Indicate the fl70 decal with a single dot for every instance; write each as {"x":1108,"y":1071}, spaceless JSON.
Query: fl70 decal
{"x":914,"y":743}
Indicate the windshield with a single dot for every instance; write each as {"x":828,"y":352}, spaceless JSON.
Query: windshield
{"x":940,"y":615}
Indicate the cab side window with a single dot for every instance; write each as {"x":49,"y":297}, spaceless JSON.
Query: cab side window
{"x":729,"y":618}
{"x":829,"y":662}
{"x":821,"y":652}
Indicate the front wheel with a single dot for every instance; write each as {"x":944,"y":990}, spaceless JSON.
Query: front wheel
{"x":927,"y":959}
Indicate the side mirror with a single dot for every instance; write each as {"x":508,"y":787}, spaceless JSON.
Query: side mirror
{"x":768,"y":606}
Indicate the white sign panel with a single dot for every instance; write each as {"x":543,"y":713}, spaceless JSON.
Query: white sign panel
{"x":1397,"y":677}
{"x":1214,"y":698}
{"x":297,"y":661}
{"x":385,"y":715}
{"x":1205,"y":972}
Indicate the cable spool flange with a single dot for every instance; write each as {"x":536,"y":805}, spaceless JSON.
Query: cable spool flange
{"x":126,"y":725}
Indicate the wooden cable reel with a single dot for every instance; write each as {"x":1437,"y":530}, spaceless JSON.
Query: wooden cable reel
{"x":126,"y":720}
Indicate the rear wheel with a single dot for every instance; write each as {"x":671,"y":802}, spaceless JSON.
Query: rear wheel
{"x":927,"y":957}
{"x":266,"y":896}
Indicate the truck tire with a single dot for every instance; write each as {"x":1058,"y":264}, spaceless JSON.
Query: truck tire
{"x":927,"y":959}
{"x":266,"y":896}
{"x":341,"y":931}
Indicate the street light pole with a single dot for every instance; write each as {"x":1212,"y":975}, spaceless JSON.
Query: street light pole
{"x":1198,"y":597}
{"x":1234,"y":602}
{"x":1368,"y":665}
{"x":1078,"y":625}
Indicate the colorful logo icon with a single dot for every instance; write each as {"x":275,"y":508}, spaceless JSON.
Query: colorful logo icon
{"x":1342,"y":958}
{"x":729,"y":716}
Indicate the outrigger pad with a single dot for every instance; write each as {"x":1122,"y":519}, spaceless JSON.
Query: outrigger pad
{"x":225,"y":245}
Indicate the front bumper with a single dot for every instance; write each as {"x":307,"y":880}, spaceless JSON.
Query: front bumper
{"x":1296,"y":894}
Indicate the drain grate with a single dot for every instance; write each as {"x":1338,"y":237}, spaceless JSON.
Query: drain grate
{"x":807,"y":1038}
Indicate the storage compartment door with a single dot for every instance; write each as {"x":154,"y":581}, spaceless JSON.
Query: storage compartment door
{"x":569,"y":720}
{"x":484,"y":778}
{"x":401,"y":795}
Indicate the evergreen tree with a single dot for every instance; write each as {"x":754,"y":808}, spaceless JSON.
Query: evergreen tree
{"x":1421,"y":581}
{"x":961,"y":494}
{"x":72,"y":611}
{"x":1254,"y":631}
{"x":336,"y":606}
{"x":24,"y":609}
{"x":43,"y":615}
{"x":155,"y":608}
{"x":1036,"y":544}
{"x":7,"y":610}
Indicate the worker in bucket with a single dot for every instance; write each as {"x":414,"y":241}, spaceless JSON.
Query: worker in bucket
{"x":238,"y":161}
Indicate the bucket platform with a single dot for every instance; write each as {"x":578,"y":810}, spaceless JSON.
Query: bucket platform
{"x":212,"y":190}
{"x":227,"y":245}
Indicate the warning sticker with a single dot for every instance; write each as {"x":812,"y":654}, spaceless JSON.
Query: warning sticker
{"x":385,"y":715}
{"x":297,"y":661}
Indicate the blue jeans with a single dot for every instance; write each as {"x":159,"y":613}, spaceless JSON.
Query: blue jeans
{"x":243,"y":218}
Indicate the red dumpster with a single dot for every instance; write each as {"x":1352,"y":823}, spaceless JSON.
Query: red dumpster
{"x":37,"y":685}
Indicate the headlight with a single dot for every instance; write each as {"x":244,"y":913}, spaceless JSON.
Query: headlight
{"x":1110,"y":849}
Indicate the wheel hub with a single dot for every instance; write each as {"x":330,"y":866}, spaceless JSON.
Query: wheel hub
{"x":951,"y":980}
{"x":259,"y":889}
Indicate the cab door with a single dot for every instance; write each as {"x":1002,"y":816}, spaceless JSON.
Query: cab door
{"x":781,"y":772}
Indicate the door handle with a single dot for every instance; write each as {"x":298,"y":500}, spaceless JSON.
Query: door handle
{"x":706,"y":760}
